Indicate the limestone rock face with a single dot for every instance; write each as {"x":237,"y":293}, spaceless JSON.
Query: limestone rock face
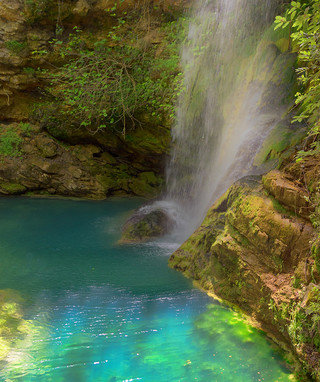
{"x":39,"y":164}
{"x":255,"y":252}
{"x":288,"y":193}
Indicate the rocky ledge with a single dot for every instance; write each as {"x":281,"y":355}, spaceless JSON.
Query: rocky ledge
{"x":34,"y":162}
{"x":254,"y":249}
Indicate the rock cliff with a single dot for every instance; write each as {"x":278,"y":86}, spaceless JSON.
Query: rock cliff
{"x":61,"y":160}
{"x":255,"y":249}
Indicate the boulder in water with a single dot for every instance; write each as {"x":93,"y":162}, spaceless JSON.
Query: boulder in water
{"x":146,"y":224}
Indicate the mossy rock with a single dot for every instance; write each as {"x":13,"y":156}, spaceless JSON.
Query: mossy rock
{"x":142,"y":227}
{"x":279,"y":144}
{"x":107,"y":182}
{"x":146,"y":141}
{"x":149,"y":177}
{"x":141,"y":188}
{"x":12,"y":188}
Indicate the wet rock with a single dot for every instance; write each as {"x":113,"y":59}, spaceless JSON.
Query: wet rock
{"x":140,"y":187}
{"x":144,"y":226}
{"x":254,"y":252}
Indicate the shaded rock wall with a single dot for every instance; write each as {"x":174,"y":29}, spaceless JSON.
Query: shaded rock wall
{"x":40,"y":164}
{"x":81,"y":164}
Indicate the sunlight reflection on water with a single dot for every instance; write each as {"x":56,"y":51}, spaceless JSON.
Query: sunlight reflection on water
{"x":103,"y":312}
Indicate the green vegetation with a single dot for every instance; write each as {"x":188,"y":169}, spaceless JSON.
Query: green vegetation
{"x":10,"y":142}
{"x":116,"y":82}
{"x":16,"y":46}
{"x":29,"y":71}
{"x":39,"y":9}
{"x":303,"y":18}
{"x":305,"y":320}
{"x":12,"y":188}
{"x":25,"y":128}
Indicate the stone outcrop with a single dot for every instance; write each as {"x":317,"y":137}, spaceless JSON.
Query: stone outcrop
{"x":254,"y":250}
{"x":147,"y":223}
{"x":40,"y":164}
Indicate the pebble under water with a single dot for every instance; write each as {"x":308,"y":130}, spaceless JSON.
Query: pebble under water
{"x":99,"y":311}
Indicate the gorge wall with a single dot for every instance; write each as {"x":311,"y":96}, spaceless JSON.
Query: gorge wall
{"x":62,"y":157}
{"x":255,"y":249}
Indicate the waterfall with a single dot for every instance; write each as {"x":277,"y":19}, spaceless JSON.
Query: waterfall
{"x":228,"y":104}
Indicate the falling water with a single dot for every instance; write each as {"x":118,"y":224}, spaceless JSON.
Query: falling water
{"x":228,"y":106}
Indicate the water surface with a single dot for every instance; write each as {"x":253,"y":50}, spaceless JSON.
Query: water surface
{"x":104,"y":312}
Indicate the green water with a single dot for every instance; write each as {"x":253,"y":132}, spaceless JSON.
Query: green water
{"x":103,"y":312}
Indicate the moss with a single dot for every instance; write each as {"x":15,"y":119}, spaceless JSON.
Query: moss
{"x":305,"y":319}
{"x":12,"y":188}
{"x":37,"y":193}
{"x":280,"y":207}
{"x":108,"y":158}
{"x":57,"y":131}
{"x":149,"y":177}
{"x":107,"y":182}
{"x":16,"y":47}
{"x":315,"y":250}
{"x":241,"y":239}
{"x":276,"y":35}
{"x":278,"y":263}
{"x":142,"y":188}
{"x":146,"y":140}
{"x":281,"y":138}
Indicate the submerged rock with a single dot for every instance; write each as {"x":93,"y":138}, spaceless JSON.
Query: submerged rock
{"x":12,"y":324}
{"x":145,"y":224}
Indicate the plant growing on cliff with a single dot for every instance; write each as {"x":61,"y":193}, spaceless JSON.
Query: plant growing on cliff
{"x":304,"y":327}
{"x":304,"y":21}
{"x":9,"y":143}
{"x":16,"y":46}
{"x":114,"y":82}
{"x":36,"y":10}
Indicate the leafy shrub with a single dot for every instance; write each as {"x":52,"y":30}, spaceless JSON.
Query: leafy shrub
{"x":38,"y":9}
{"x":303,"y":18}
{"x":29,"y":71}
{"x":115,"y":81}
